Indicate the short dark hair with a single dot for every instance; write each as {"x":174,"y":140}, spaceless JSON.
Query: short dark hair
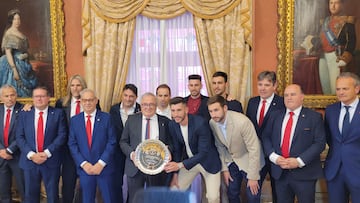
{"x":194,"y":77}
{"x":217,"y":99}
{"x":131,"y":87}
{"x":269,"y":75}
{"x":177,"y":100}
{"x":42,"y":88}
{"x":165,"y":86}
{"x":220,"y":74}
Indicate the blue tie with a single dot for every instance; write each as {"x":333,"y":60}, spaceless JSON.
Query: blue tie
{"x":346,"y":122}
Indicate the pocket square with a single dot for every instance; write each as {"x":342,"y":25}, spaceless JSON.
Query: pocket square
{"x":307,"y":129}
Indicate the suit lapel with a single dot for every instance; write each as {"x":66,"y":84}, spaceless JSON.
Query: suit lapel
{"x":354,"y":121}
{"x":299,"y":126}
{"x":96,"y":128}
{"x":229,"y":129}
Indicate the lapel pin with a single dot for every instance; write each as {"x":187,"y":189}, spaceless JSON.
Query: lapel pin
{"x":303,"y":115}
{"x":98,"y":119}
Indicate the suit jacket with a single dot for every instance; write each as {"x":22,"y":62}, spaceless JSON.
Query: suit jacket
{"x":241,"y":146}
{"x":102,"y":145}
{"x":276,"y":104}
{"x":132,"y":137}
{"x":235,"y":105}
{"x":307,"y":143}
{"x":116,"y":119}
{"x":342,"y":150}
{"x":203,"y":109}
{"x":54,"y":137}
{"x":11,"y":138}
{"x":201,"y":143}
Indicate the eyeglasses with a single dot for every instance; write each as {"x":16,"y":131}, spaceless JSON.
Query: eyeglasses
{"x":88,"y":100}
{"x":152,"y":105}
{"x":39,"y":96}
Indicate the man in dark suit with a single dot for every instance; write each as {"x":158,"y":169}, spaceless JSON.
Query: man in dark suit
{"x":71,"y":106}
{"x":196,"y":102}
{"x":119,"y":114}
{"x":9,"y":151}
{"x":92,"y":143}
{"x":219,"y":84}
{"x":194,"y":151}
{"x":293,"y":139}
{"x":40,"y":135}
{"x":258,"y":111}
{"x":134,"y":134}
{"x":343,"y":137}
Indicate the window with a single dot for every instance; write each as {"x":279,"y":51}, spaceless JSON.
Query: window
{"x":164,"y":51}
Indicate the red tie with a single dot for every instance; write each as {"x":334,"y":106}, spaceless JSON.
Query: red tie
{"x":286,"y":140}
{"x":88,"y":130}
{"x":262,"y":113}
{"x":40,"y":132}
{"x":77,"y":110}
{"x":6,"y":128}
{"x":147,"y":131}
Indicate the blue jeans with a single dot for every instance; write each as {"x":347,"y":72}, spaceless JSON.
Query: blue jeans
{"x":235,"y":186}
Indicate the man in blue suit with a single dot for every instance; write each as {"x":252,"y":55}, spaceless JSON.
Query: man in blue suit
{"x":92,"y":143}
{"x":119,"y":114}
{"x":342,"y":119}
{"x":71,"y":106}
{"x":194,"y":151}
{"x":134,"y":134}
{"x":293,"y":139}
{"x":258,"y":111}
{"x":9,"y":151}
{"x":41,"y":135}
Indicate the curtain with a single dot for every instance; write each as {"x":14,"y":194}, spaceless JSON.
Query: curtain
{"x":108,"y":28}
{"x":164,"y":51}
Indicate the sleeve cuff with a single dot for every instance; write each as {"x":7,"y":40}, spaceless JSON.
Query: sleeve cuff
{"x":300,"y":161}
{"x":83,"y":163}
{"x":8,"y":150}
{"x":30,"y":154}
{"x":47,"y":152}
{"x":273,"y":157}
{"x":102,"y":162}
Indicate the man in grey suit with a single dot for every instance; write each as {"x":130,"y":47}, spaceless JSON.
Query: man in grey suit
{"x":239,"y":149}
{"x":134,"y":134}
{"x":9,"y":151}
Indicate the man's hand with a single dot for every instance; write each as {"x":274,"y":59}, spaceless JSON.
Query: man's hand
{"x":5,"y":155}
{"x":254,"y":186}
{"x":39,"y":158}
{"x":97,"y":168}
{"x":227,"y":177}
{"x":171,"y":167}
{"x":287,"y":163}
{"x":27,"y":107}
{"x":132,"y":157}
{"x":292,"y":163}
{"x":174,"y":181}
{"x":87,"y":167}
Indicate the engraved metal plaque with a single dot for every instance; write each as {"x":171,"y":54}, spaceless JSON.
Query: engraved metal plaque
{"x":151,"y":156}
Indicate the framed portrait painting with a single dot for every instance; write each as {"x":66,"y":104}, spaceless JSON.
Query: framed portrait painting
{"x":33,"y":32}
{"x":317,"y":40}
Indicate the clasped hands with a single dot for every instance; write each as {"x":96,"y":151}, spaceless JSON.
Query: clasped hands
{"x":287,"y":163}
{"x":93,"y":169}
{"x":39,"y":158}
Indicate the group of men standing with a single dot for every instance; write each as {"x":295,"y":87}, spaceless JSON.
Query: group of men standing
{"x":207,"y":136}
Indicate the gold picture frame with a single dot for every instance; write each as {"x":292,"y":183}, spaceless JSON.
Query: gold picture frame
{"x":46,"y":35}
{"x":288,"y":44}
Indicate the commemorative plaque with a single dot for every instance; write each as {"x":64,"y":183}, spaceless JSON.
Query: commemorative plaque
{"x":151,"y":156}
